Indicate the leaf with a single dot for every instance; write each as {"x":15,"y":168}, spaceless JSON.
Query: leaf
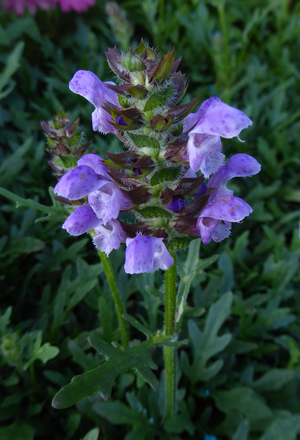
{"x":242,"y":431}
{"x":207,"y":343}
{"x":53,"y":212}
{"x":5,"y":320}
{"x":99,"y":380}
{"x":137,"y":325}
{"x":120,"y":414}
{"x":92,"y":435}
{"x":17,"y":431}
{"x":26,"y":245}
{"x":169,"y":174}
{"x":283,"y":429}
{"x":12,"y":64}
{"x":243,"y":400}
{"x":13,"y":164}
{"x":273,"y":380}
{"x":159,"y":98}
{"x":42,"y":352}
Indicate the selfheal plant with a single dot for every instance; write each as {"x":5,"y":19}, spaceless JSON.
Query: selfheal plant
{"x":166,"y":143}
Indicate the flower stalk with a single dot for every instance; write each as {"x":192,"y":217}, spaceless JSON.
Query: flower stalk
{"x":112,"y":281}
{"x":169,"y":352}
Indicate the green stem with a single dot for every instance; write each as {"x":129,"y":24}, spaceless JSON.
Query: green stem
{"x":169,"y":352}
{"x":112,"y":281}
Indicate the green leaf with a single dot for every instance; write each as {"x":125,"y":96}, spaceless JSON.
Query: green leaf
{"x":99,"y":380}
{"x":243,"y":400}
{"x":132,"y":62}
{"x":5,"y":320}
{"x":120,"y":414}
{"x":179,"y":243}
{"x":207,"y":343}
{"x":12,"y":64}
{"x":169,"y":174}
{"x":17,"y":431}
{"x":92,"y":435}
{"x":13,"y":164}
{"x":242,"y":431}
{"x":137,"y":325}
{"x":159,"y":98}
{"x":283,"y":429}
{"x":155,"y":293}
{"x":26,"y":245}
{"x":55,"y":212}
{"x":273,"y":380}
{"x":154,"y":212}
{"x":141,"y":141}
{"x":42,"y":352}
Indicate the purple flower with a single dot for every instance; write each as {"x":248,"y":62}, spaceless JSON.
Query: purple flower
{"x":212,"y":120}
{"x":96,"y":163}
{"x":109,"y":237}
{"x":104,"y":197}
{"x":177,"y":204}
{"x":146,"y":253}
{"x":81,"y":220}
{"x":108,"y":201}
{"x":88,"y":85}
{"x":216,"y":118}
{"x":214,"y":221}
{"x":239,"y":165}
{"x":78,"y":183}
{"x":204,"y":153}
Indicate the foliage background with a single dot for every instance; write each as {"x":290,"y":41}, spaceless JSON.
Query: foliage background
{"x":245,"y":52}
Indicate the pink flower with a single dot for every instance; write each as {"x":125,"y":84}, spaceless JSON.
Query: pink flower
{"x":18,"y":6}
{"x":76,"y":5}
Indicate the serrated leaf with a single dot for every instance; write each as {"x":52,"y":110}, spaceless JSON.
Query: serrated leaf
{"x":159,"y":98}
{"x":283,"y":429}
{"x":273,"y":380}
{"x":54,"y":212}
{"x":141,"y":141}
{"x":137,"y":325}
{"x":154,"y":212}
{"x":165,"y":175}
{"x":156,"y":293}
{"x":243,"y":400}
{"x":120,"y":414}
{"x":179,"y":243}
{"x":99,"y":380}
{"x":207,"y":343}
{"x":132,"y":62}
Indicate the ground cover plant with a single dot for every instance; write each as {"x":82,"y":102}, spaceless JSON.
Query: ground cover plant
{"x":238,"y":377}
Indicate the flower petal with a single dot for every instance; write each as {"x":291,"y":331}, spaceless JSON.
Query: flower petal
{"x":221,"y":231}
{"x":101,"y":121}
{"x":139,"y":257}
{"x":217,"y":118}
{"x":78,"y":183}
{"x":96,"y":163}
{"x":88,"y":85}
{"x":204,"y":153}
{"x":239,"y":165}
{"x":162,"y":258}
{"x":228,"y":208}
{"x":81,"y":220}
{"x":109,"y":237}
{"x":108,"y":201}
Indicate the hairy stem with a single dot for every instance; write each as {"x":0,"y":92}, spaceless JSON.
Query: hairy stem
{"x":169,"y":352}
{"x":112,"y":281}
